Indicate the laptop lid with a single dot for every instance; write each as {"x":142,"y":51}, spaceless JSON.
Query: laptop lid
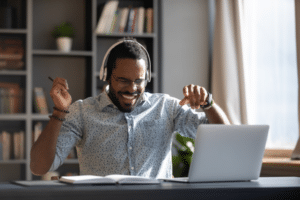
{"x":228,"y":153}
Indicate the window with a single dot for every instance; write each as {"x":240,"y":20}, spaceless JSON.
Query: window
{"x":271,"y":69}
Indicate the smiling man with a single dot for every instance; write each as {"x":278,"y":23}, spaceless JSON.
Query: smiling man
{"x":124,"y":130}
{"x":126,"y":72}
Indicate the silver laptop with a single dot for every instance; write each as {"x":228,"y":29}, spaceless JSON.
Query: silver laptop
{"x":227,"y":153}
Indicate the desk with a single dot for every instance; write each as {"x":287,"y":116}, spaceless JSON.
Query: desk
{"x":263,"y":188}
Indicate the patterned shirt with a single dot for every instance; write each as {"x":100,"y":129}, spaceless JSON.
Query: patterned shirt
{"x":109,"y":141}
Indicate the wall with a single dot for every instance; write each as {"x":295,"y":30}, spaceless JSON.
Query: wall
{"x":185,"y":45}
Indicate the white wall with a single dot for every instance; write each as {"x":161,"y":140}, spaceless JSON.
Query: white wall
{"x":185,"y":47}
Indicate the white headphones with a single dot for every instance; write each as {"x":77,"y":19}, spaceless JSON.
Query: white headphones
{"x":103,"y":70}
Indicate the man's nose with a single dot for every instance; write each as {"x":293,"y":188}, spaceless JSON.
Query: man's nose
{"x":132,"y":87}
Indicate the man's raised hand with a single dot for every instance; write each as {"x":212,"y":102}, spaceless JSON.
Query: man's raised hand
{"x":194,"y":95}
{"x":59,"y":94}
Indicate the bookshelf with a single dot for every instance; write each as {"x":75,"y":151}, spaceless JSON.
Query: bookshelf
{"x":35,"y":19}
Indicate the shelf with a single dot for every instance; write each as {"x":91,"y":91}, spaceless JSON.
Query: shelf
{"x":146,"y":35}
{"x":13,"y":31}
{"x":13,"y":161}
{"x":40,"y":116}
{"x":13,"y":72}
{"x":80,"y":66}
{"x":13,"y":116}
{"x":59,"y":53}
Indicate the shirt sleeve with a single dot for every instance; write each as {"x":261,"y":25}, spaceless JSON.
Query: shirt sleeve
{"x":186,"y":120}
{"x":70,"y":135}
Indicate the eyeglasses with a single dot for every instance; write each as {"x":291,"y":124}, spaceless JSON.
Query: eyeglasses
{"x":126,"y":82}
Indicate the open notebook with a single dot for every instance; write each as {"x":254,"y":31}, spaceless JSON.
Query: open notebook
{"x":109,"y":179}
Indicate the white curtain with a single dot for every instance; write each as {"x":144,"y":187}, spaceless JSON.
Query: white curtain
{"x":271,"y":70}
{"x":228,"y":86}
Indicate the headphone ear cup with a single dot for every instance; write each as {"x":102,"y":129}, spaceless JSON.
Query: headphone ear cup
{"x":105,"y":73}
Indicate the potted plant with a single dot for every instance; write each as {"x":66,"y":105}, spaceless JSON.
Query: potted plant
{"x":183,"y":157}
{"x":64,"y":35}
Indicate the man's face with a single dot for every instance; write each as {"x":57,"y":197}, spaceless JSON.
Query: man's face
{"x":127,"y":83}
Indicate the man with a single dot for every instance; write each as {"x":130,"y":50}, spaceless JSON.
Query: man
{"x":124,"y":130}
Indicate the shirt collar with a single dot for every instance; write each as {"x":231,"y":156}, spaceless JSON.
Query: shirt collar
{"x":106,"y":101}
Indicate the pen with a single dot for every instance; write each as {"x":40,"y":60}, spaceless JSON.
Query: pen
{"x":50,"y":78}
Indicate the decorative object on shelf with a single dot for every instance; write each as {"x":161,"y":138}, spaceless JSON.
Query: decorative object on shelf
{"x":64,"y":36}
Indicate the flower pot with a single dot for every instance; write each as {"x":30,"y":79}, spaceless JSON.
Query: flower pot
{"x":64,"y":44}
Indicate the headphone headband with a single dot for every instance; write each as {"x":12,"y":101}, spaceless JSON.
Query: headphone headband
{"x":103,"y":69}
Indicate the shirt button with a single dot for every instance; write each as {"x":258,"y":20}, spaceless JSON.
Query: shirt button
{"x":132,"y":168}
{"x":129,"y":127}
{"x":130,"y":147}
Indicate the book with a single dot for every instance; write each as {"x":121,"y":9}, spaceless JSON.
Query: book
{"x":6,"y":145}
{"x":123,"y":20}
{"x":107,"y":16}
{"x":22,"y":144}
{"x":18,"y":138}
{"x":101,"y":23}
{"x":140,"y":20}
{"x":16,"y":147}
{"x":118,"y":21}
{"x":114,"y":22}
{"x":110,"y":17}
{"x":149,"y":20}
{"x":130,"y":21}
{"x":134,"y":21}
{"x":40,"y":103}
{"x":109,"y":179}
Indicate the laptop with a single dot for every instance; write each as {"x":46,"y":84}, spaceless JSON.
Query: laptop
{"x":227,"y":153}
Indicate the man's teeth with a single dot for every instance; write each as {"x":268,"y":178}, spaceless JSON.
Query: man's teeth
{"x":128,"y":96}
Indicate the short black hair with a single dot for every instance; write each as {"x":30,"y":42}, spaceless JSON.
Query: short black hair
{"x":129,"y":48}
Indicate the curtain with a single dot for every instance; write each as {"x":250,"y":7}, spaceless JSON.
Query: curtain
{"x":296,"y":152}
{"x":271,"y":70}
{"x":228,"y":83}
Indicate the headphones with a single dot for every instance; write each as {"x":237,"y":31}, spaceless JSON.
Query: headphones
{"x":103,"y":70}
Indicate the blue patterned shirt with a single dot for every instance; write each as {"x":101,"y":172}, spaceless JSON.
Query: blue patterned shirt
{"x":109,"y":141}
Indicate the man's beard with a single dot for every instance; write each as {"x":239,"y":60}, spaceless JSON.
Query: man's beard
{"x":115,"y":100}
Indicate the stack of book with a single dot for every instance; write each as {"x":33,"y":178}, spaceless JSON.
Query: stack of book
{"x":124,"y":20}
{"x":11,"y":54}
{"x":11,"y":98}
{"x":12,"y":145}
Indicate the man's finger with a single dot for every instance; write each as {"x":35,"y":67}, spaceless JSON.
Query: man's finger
{"x":185,"y":91}
{"x":197,"y":96}
{"x":61,"y":81}
{"x":184,"y":101}
{"x":203,"y":96}
{"x":191,"y":96}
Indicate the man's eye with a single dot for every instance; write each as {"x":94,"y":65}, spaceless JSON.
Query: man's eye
{"x":139,"y":81}
{"x":123,"y":81}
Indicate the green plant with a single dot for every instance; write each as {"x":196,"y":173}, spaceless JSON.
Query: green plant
{"x":63,"y":30}
{"x":182,"y":161}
